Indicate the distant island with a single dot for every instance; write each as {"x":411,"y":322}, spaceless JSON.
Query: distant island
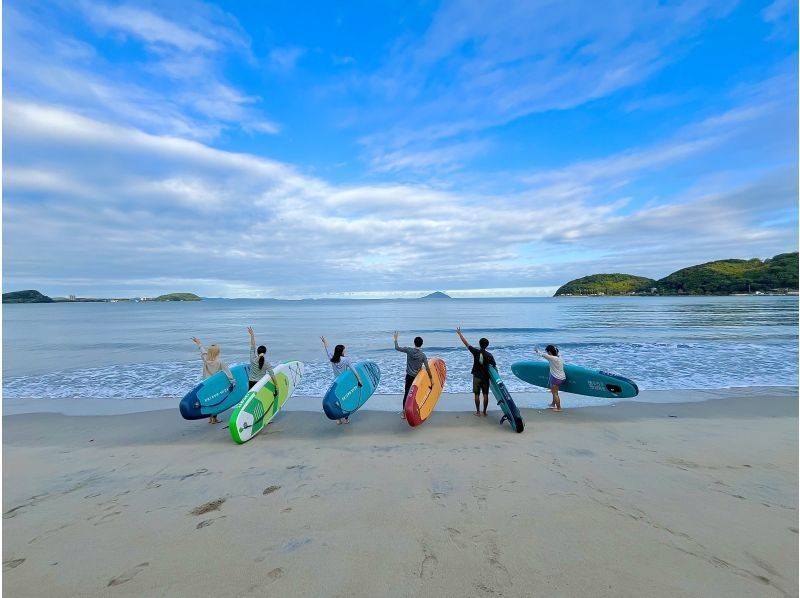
{"x":177,"y":297}
{"x":32,"y":296}
{"x":437,"y":295}
{"x":778,"y":275}
{"x":29,"y":296}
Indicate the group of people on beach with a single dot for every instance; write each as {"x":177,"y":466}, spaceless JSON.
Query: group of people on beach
{"x":415,"y":361}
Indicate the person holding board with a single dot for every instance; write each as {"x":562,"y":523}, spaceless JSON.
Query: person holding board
{"x":340,"y":364}
{"x":482,"y":359}
{"x":415,"y":359}
{"x":212,"y":363}
{"x":259,"y":366}
{"x":557,"y":375}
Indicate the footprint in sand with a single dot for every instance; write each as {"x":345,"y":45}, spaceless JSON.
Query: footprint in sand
{"x":214,"y":505}
{"x":429,"y":561}
{"x":207,"y":522}
{"x":11,"y":564}
{"x":128,"y":575}
{"x":455,"y":536}
{"x":270,"y":490}
{"x":275,"y":573}
{"x":194,"y":473}
{"x":32,"y":501}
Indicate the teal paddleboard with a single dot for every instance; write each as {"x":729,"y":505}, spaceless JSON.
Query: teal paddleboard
{"x":500,"y":392}
{"x":580,"y":380}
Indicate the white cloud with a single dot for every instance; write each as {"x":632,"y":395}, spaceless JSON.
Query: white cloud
{"x":176,"y":211}
{"x":482,"y":65}
{"x":148,"y":26}
{"x":177,"y":87}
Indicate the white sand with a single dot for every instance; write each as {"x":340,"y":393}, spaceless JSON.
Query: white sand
{"x":622,"y":501}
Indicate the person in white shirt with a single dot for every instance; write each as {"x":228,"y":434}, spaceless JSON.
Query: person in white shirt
{"x":340,"y":364}
{"x":557,"y":376}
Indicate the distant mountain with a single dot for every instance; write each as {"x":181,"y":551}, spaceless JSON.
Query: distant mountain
{"x":606,"y":284}
{"x":437,"y":295}
{"x":722,"y":277}
{"x":30,"y":296}
{"x":177,"y":297}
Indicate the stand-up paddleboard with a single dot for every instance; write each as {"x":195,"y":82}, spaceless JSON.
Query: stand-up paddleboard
{"x":581,"y":381}
{"x":422,"y":396}
{"x":345,"y":396}
{"x":260,"y":405}
{"x":500,"y":392}
{"x":212,"y":397}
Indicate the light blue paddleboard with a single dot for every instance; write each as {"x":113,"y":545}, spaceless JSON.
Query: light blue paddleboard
{"x":580,"y":381}
{"x":344,"y":396}
{"x":212,"y":397}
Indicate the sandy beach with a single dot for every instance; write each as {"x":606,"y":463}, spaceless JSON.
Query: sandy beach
{"x":689,"y":499}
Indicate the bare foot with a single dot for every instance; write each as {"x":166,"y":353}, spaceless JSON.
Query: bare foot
{"x":477,"y":414}
{"x":338,"y":422}
{"x":346,"y":420}
{"x":403,"y":415}
{"x":484,"y":414}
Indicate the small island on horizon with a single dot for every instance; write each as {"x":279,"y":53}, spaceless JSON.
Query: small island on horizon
{"x":34,"y":296}
{"x":437,"y":295}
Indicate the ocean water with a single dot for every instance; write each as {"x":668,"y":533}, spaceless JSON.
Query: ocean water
{"x":142,"y":350}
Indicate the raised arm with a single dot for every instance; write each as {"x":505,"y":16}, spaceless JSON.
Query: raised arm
{"x":200,"y":346}
{"x":252,"y":337}
{"x":396,"y":346}
{"x":461,"y":336}
{"x":545,"y":355}
{"x":325,"y":344}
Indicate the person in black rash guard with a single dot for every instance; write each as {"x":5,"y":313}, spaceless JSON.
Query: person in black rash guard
{"x":415,"y":359}
{"x":480,"y":371}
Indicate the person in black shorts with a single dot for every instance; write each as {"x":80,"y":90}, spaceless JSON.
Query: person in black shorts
{"x":415,"y":360}
{"x":480,"y":371}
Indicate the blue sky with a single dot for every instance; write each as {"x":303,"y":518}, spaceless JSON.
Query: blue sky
{"x":385,"y":149}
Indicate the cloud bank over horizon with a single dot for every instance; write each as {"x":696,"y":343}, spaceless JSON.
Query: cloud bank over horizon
{"x":230,"y":153}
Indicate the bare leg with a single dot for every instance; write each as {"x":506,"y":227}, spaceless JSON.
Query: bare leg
{"x":556,"y":398}
{"x":485,"y":402}
{"x":477,"y":403}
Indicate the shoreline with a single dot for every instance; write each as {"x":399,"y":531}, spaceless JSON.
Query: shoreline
{"x":643,"y":499}
{"x":450,"y":402}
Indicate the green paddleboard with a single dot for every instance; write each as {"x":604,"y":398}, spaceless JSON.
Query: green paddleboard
{"x":260,"y":404}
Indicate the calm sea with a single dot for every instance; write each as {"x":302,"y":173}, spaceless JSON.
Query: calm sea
{"x":138,"y":350}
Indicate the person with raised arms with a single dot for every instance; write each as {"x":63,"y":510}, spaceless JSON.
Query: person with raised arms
{"x":212,"y":363}
{"x":259,"y":366}
{"x":482,"y":359}
{"x":415,"y":359}
{"x":340,"y":363}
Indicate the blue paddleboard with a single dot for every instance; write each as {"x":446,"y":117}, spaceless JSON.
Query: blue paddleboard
{"x":344,"y":396}
{"x":580,"y":381}
{"x":500,"y":392}
{"x":211,"y":396}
